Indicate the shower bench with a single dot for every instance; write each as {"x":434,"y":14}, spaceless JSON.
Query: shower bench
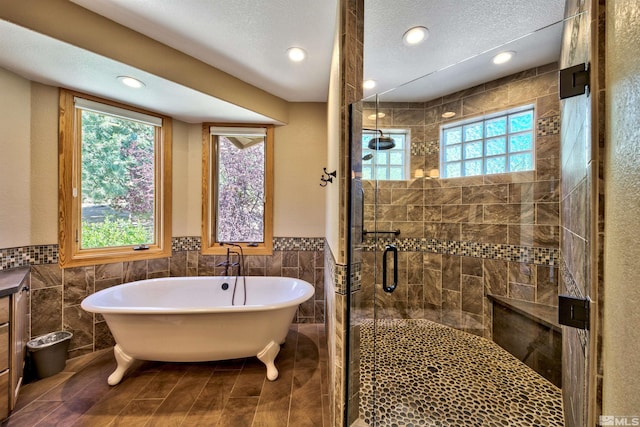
{"x":531,"y":333}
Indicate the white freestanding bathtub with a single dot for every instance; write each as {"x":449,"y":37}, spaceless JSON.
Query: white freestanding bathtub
{"x":196,"y":319}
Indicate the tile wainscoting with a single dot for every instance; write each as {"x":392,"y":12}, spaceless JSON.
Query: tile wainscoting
{"x":452,"y":289}
{"x":56,"y":293}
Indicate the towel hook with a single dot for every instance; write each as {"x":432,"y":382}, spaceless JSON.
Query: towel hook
{"x":327,"y":177}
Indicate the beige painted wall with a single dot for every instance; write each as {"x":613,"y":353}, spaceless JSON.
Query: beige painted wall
{"x":44,"y":158}
{"x":300,"y":154}
{"x":180,"y":194}
{"x":193,"y":175}
{"x":29,"y":142}
{"x":15,"y":152}
{"x":621,"y":334}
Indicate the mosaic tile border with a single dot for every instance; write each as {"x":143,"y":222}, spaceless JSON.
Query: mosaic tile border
{"x":548,"y":126}
{"x":193,"y":243}
{"x":298,"y":243}
{"x":420,"y":148}
{"x":25,"y":256}
{"x":513,"y":253}
{"x":340,"y":281}
{"x":338,"y":272}
{"x":48,"y":254}
{"x":188,"y":243}
{"x":356,"y":276}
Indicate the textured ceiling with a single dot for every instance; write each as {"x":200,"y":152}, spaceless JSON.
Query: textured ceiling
{"x":249,"y":38}
{"x":459,"y":33}
{"x":245,"y":38}
{"x":49,"y":61}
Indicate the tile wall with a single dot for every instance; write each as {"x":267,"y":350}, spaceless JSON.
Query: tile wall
{"x":582,"y":210}
{"x":56,"y":293}
{"x":351,"y":48}
{"x":464,"y":238}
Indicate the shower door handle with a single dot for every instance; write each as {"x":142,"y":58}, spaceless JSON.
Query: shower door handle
{"x":385,"y":286}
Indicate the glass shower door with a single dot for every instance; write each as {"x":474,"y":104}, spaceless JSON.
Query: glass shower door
{"x":377,"y":266}
{"x":427,"y":253}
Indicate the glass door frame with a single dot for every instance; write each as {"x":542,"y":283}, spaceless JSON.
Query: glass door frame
{"x":355,"y":243}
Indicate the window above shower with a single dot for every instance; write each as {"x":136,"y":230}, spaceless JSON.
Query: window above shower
{"x":387,"y":164}
{"x":502,"y":142}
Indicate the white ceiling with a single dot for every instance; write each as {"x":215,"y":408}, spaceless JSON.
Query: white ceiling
{"x":249,"y":38}
{"x":464,"y":35}
{"x":49,"y":61}
{"x":246,"y":38}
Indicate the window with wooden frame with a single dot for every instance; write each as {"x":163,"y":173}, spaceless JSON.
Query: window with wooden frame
{"x":237,"y":190}
{"x":114,"y":182}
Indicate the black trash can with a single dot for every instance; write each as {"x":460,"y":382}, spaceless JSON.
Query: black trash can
{"x":49,"y":353}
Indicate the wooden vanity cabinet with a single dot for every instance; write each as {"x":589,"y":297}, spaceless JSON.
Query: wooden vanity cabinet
{"x":19,"y":337}
{"x":5,"y":351}
{"x":14,"y":304}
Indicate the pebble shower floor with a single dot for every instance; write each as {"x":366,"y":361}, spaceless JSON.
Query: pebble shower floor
{"x":432,"y":375}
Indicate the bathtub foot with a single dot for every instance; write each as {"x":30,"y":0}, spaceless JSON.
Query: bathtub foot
{"x":124,"y":362}
{"x":268,"y":356}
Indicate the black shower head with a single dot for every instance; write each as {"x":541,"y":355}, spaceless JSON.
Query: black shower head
{"x":381,"y":142}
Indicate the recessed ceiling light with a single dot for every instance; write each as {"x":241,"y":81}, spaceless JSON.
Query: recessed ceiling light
{"x":415,"y":35}
{"x":369,"y":84}
{"x":131,"y":82}
{"x":503,"y":57}
{"x":296,"y":54}
{"x":448,"y":114}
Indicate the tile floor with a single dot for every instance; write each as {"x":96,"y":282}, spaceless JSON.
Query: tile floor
{"x":432,"y":375}
{"x":229,"y":393}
